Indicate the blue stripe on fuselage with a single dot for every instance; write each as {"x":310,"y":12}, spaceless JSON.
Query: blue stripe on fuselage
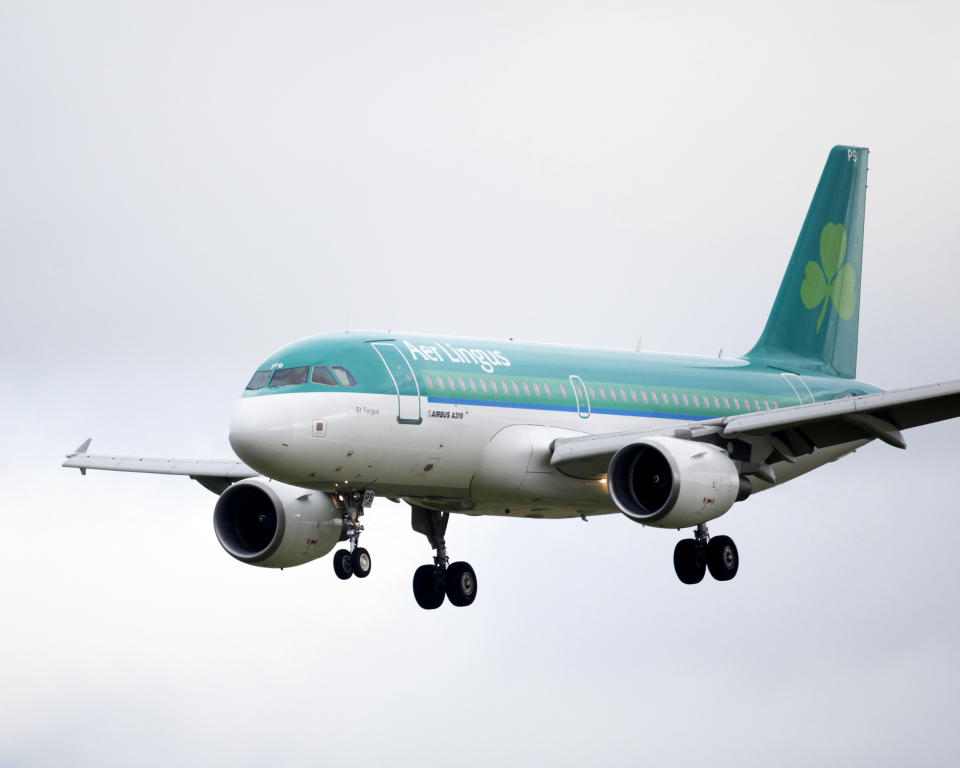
{"x":567,"y":408}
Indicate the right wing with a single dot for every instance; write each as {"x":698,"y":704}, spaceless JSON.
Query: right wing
{"x":785,"y":433}
{"x":214,"y":475}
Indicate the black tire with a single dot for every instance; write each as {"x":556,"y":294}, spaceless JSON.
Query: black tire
{"x":723,"y":560}
{"x":341,"y":564}
{"x":687,"y":562}
{"x":428,"y":587}
{"x":360,"y":563}
{"x":460,"y":583}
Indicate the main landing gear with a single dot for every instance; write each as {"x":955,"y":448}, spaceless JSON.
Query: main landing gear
{"x":356,"y":560}
{"x":431,"y":583}
{"x":692,"y":557}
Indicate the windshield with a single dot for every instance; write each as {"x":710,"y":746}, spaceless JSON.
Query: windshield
{"x":286,"y":377}
{"x":259,"y":380}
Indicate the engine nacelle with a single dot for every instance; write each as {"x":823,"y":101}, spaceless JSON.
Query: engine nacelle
{"x":275,"y":525}
{"x":672,"y":483}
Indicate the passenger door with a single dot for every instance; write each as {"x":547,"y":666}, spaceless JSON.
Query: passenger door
{"x":580,"y":395}
{"x":404,"y":379}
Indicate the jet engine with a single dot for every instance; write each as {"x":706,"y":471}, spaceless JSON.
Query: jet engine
{"x":275,"y":525}
{"x":672,"y":483}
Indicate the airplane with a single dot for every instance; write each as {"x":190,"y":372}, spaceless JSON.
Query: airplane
{"x":491,"y":427}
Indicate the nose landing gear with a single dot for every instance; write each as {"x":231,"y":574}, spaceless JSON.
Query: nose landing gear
{"x":431,"y":583}
{"x":693,"y":557}
{"x":356,"y":560}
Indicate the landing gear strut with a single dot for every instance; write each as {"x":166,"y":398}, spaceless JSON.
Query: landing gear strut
{"x":356,"y":560}
{"x":692,"y":557}
{"x":457,"y":581}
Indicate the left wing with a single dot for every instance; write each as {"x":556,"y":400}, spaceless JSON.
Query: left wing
{"x":214,"y":475}
{"x":789,"y":432}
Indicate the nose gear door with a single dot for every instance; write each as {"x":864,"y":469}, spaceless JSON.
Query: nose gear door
{"x":404,"y":379}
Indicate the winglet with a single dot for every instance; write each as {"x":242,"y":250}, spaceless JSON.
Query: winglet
{"x":81,"y":449}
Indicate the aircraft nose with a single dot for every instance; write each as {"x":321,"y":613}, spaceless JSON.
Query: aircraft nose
{"x":260,"y":430}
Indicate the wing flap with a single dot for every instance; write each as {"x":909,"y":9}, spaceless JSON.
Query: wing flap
{"x":881,"y":415}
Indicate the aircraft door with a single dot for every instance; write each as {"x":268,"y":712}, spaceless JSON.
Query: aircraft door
{"x":580,"y":395}
{"x":799,"y":387}
{"x":404,"y":379}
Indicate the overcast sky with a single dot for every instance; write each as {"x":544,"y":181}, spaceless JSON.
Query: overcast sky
{"x":186,"y":187}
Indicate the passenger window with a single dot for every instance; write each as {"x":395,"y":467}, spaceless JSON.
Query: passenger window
{"x":483,"y":385}
{"x":563,"y":392}
{"x":516,"y":389}
{"x":726,"y":403}
{"x":526,"y":389}
{"x":736,"y":403}
{"x":746,"y":404}
{"x":613,"y":394}
{"x":756,"y":404}
{"x":623,"y":394}
{"x":633,"y":395}
{"x":675,"y":401}
{"x":686,"y":400}
{"x":344,"y":376}
{"x":259,"y":380}
{"x":654,"y":396}
{"x":503,"y":387}
{"x":663,"y":398}
{"x":536,"y":389}
{"x":546,"y":388}
{"x":321,"y":375}
{"x":776,"y":404}
{"x":643,"y":394}
{"x":463,"y":384}
{"x":696,"y":401}
{"x":440,"y":383}
{"x":766,"y":405}
{"x":593,"y":393}
{"x":430,"y":381}
{"x":603,"y":394}
{"x":473,"y":384}
{"x":716,"y":402}
{"x":288,"y":377}
{"x":450,"y":381}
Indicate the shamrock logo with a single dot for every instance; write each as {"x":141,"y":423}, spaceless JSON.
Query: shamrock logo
{"x":829,"y":281}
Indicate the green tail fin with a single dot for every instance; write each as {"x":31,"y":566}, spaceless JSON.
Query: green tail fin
{"x":815,"y":319}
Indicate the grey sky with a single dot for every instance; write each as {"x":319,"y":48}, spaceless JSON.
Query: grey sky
{"x":187,"y":187}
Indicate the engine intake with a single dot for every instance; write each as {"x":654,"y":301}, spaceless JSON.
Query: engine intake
{"x":275,"y":525}
{"x":672,"y":483}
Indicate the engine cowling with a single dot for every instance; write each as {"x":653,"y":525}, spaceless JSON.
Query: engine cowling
{"x":275,"y":525}
{"x":672,"y":483}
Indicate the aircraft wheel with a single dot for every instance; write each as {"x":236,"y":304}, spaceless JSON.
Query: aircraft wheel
{"x":460,"y":583}
{"x":428,"y":587}
{"x":688,"y":563}
{"x":722,"y":558}
{"x":360,"y":562}
{"x":341,"y":564}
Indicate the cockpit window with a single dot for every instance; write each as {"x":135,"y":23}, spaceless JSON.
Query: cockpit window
{"x":259,"y":380}
{"x":322,"y":375}
{"x":344,"y":376}
{"x":287,"y":377}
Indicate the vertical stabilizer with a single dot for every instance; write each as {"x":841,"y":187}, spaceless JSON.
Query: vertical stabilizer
{"x":815,"y":319}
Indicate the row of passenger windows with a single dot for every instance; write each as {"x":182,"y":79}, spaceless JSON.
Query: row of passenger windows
{"x":333,"y":376}
{"x":601,"y":394}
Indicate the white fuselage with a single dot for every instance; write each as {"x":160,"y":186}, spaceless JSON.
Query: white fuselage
{"x":478,"y":459}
